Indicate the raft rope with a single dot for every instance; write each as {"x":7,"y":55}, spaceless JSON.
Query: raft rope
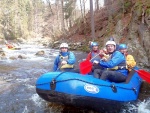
{"x":97,"y":84}
{"x":112,"y":85}
{"x":54,"y":79}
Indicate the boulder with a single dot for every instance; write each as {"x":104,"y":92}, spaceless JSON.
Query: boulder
{"x":40,"y":53}
{"x":22,"y":57}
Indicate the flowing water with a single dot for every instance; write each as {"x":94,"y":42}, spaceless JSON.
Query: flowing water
{"x":18,"y":78}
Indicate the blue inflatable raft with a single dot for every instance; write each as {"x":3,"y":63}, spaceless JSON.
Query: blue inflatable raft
{"x":85,"y":91}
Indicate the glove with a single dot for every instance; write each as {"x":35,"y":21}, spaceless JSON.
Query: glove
{"x":95,"y":62}
{"x":63,"y":62}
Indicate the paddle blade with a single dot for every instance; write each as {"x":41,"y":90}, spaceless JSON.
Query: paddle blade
{"x":144,"y":75}
{"x":85,"y":67}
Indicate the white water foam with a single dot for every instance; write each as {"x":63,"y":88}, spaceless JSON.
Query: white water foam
{"x":25,"y":110}
{"x":36,"y":99}
{"x":30,"y":86}
{"x":28,"y":53}
{"x":140,"y":107}
{"x":144,"y":107}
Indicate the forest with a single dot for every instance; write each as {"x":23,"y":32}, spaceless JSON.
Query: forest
{"x":28,"y":18}
{"x":78,"y":22}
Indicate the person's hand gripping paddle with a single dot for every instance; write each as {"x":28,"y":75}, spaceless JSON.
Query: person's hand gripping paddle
{"x":86,"y":66}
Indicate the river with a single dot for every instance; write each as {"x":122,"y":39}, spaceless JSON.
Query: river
{"x":18,"y":78}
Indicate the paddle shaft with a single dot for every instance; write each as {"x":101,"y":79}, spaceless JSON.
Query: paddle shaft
{"x":87,"y":66}
{"x":143,"y":74}
{"x":95,"y":56}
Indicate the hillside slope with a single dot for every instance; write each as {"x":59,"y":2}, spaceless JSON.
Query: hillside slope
{"x":128,"y":23}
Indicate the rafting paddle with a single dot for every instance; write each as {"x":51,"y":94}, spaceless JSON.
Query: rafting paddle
{"x":86,"y":66}
{"x":144,"y":75}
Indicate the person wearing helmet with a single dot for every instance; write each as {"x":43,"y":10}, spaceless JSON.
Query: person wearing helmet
{"x":94,"y":56}
{"x":129,"y":58}
{"x":123,"y":49}
{"x":117,"y":45}
{"x":65,"y":60}
{"x":116,"y":59}
{"x":94,"y":53}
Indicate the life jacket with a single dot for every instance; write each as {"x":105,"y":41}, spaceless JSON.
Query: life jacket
{"x":95,"y":56}
{"x":65,"y":58}
{"x":130,"y":62}
{"x":120,"y":66}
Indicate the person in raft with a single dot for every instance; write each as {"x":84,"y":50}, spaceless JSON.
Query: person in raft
{"x":130,"y":61}
{"x":65,"y":60}
{"x":117,"y":45}
{"x":95,"y":55}
{"x":9,"y":45}
{"x":116,"y":59}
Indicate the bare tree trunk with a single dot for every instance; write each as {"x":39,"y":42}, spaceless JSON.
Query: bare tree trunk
{"x":58,"y":14}
{"x":97,"y":4}
{"x":70,"y":22}
{"x":143,"y":15}
{"x":35,"y":20}
{"x":71,"y":17}
{"x":123,"y":7}
{"x":84,"y":8}
{"x":16,"y":26}
{"x":62,"y":18}
{"x":106,"y":2}
{"x":57,"y":8}
{"x":92,"y":20}
{"x":81,"y":9}
{"x":109,"y":9}
{"x":49,"y":2}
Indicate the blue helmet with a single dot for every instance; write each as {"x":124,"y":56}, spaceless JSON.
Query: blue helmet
{"x":122,"y":46}
{"x":94,"y":44}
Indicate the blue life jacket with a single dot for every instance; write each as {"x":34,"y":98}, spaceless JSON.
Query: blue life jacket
{"x":117,"y":59}
{"x":121,"y":65}
{"x":69,"y":57}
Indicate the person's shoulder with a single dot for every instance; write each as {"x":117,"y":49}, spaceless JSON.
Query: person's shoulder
{"x":71,"y":53}
{"x":118,"y":53}
{"x":129,"y":57}
{"x":58,"y":56}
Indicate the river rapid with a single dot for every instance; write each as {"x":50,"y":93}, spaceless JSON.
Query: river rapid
{"x":18,"y":78}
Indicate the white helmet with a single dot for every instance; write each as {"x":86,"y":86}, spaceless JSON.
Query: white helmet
{"x":110,"y":42}
{"x":64,"y":45}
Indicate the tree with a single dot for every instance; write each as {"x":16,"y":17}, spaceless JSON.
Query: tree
{"x":97,"y":4}
{"x":49,"y":2}
{"x":62,"y":16}
{"x":68,"y":11}
{"x":92,"y":20}
{"x":81,"y":8}
{"x":20,"y":18}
